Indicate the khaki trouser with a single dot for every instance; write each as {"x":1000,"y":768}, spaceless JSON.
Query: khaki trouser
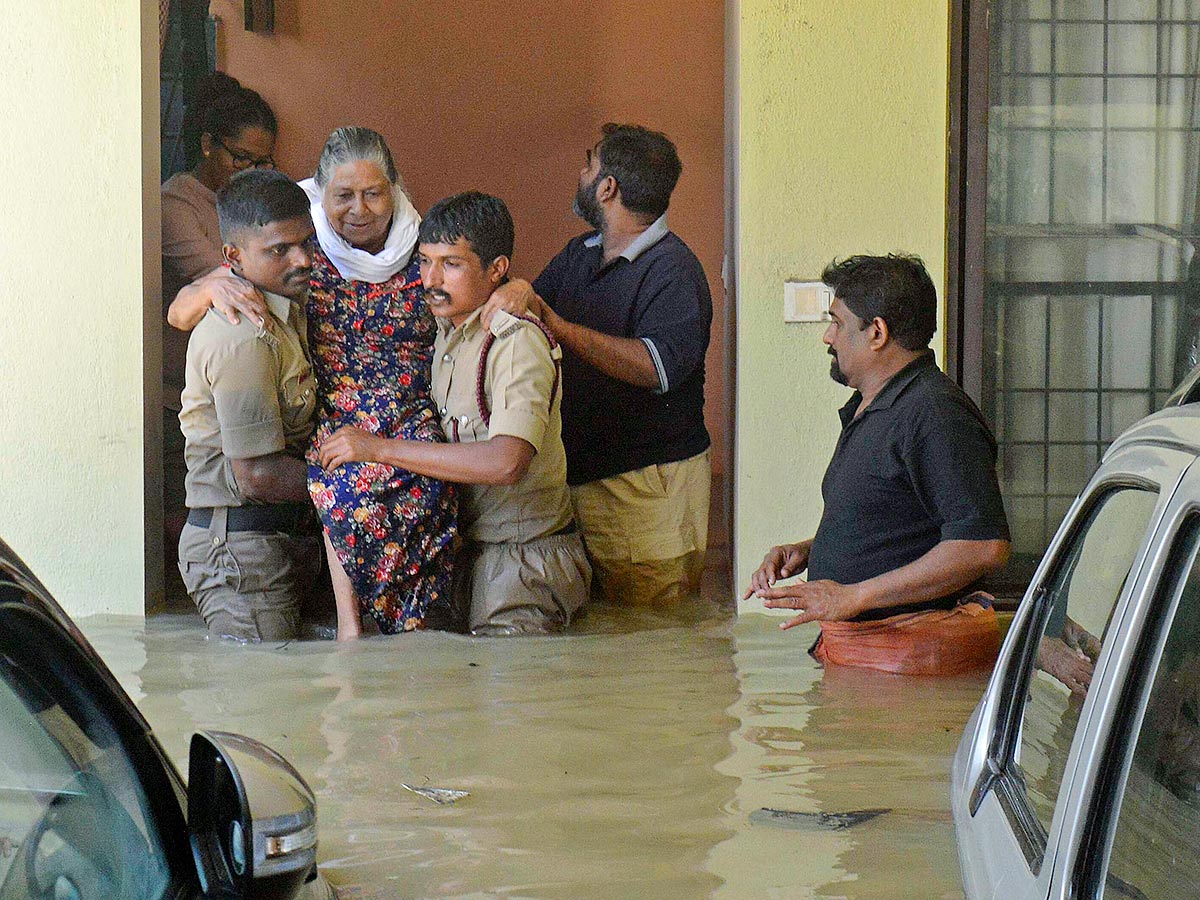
{"x":533,"y":587}
{"x":646,"y":531}
{"x":248,"y":585}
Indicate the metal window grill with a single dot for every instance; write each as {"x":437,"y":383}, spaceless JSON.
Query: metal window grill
{"x":1093,"y":155}
{"x":189,"y":53}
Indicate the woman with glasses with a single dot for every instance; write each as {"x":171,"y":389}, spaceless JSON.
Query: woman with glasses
{"x":228,"y":128}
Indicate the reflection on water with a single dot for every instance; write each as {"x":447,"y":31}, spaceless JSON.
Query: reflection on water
{"x":834,"y":741}
{"x":624,"y":760}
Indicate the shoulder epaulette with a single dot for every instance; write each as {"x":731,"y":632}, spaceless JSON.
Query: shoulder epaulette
{"x":267,"y":335}
{"x":505,"y":329}
{"x":505,"y":324}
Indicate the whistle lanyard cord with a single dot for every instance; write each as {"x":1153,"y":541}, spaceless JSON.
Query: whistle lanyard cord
{"x":485,"y":412}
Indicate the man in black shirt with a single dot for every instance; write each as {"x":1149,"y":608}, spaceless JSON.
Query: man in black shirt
{"x":912,"y":516}
{"x":631,"y":307}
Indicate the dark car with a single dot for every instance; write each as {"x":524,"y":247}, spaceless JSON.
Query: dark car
{"x":91,"y":808}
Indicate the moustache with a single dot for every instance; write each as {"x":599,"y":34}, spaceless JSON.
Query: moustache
{"x":433,"y":295}
{"x":297,"y":274}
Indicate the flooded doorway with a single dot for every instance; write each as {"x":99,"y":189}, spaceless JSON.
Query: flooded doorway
{"x":511,"y":111}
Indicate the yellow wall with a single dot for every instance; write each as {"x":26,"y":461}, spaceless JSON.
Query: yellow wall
{"x":72,"y":273}
{"x":841,"y":149}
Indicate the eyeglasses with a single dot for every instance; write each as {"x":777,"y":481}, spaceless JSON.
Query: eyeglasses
{"x":242,"y":160}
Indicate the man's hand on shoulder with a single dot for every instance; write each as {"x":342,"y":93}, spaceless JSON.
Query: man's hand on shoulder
{"x":233,"y":296}
{"x":783,"y":561}
{"x":817,"y":601}
{"x":515,"y":296}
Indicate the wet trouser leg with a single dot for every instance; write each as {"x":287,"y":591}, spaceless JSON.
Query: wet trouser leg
{"x":646,"y":531}
{"x":534,"y":587}
{"x":248,"y":585}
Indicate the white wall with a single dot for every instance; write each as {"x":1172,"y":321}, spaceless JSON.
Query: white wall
{"x":74,"y":156}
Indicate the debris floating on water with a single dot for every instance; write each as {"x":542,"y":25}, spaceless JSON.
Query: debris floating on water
{"x":437,"y":795}
{"x":805,"y":821}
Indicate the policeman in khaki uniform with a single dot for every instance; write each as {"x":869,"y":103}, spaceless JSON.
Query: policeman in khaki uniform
{"x":250,"y":550}
{"x":522,"y":566}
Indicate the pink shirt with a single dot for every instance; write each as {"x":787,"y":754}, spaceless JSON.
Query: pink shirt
{"x":191,"y":246}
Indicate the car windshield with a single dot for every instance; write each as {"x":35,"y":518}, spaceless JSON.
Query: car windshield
{"x":73,"y":816}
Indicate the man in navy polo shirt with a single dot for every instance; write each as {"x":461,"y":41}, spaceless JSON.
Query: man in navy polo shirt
{"x":631,"y":307}
{"x":913,"y":515}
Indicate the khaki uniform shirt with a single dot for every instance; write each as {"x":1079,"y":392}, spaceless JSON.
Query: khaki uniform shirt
{"x":247,"y":392}
{"x":520,"y":375}
{"x":191,"y":247}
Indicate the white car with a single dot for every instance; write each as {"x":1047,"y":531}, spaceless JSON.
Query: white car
{"x":1078,"y":775}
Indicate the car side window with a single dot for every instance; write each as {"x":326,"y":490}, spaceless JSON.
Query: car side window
{"x":30,"y":761}
{"x":74,"y":820}
{"x":1156,"y":842}
{"x":1081,"y":592}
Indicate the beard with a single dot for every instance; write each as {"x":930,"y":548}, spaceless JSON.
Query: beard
{"x":835,"y":371}
{"x":585,"y":205}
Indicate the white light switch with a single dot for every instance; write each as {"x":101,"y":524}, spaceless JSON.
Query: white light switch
{"x":806,"y":301}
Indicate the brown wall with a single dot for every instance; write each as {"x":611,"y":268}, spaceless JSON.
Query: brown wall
{"x":505,"y":97}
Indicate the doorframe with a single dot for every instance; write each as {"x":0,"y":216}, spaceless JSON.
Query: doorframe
{"x":728,"y":491}
{"x":966,"y":194}
{"x":152,"y":313}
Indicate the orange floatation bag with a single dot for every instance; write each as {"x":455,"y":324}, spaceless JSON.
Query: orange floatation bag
{"x":930,"y":642}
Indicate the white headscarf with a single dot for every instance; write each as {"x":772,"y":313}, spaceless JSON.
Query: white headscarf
{"x":359,"y":265}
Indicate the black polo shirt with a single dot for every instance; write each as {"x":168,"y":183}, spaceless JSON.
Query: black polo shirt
{"x":916,"y":468}
{"x":655,"y":291}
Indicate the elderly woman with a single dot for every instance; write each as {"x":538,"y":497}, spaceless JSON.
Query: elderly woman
{"x":388,"y":533}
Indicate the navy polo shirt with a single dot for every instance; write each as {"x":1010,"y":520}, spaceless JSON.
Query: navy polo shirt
{"x":655,"y":291}
{"x":916,"y":468}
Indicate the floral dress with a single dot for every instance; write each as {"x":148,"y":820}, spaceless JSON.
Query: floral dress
{"x":372,"y":346}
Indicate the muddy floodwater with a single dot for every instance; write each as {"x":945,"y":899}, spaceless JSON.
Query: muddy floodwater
{"x":633,"y":758}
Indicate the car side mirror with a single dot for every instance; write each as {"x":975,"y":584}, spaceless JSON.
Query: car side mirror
{"x":252,"y":819}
